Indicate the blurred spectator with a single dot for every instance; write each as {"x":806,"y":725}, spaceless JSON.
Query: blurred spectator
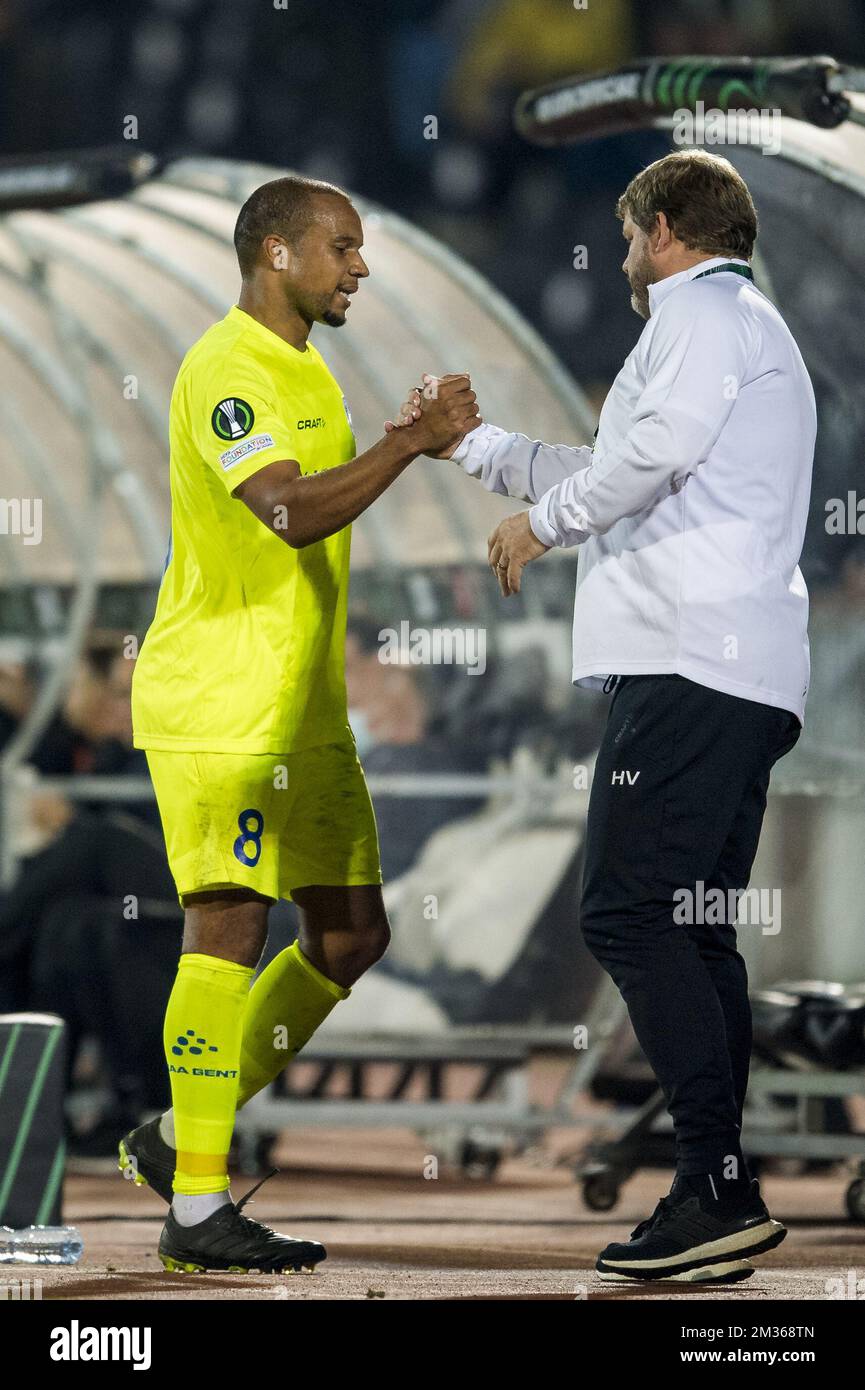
{"x":90,"y":929}
{"x":92,"y":732}
{"x":87,"y":714}
{"x":390,"y":715}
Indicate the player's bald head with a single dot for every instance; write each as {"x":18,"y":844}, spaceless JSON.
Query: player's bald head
{"x":286,"y":207}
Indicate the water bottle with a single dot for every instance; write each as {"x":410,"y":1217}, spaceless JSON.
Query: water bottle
{"x":40,"y":1245}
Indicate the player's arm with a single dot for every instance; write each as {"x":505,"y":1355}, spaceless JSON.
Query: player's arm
{"x":510,"y":464}
{"x":302,"y":509}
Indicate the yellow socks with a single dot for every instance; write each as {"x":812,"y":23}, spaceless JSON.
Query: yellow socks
{"x":242,"y":1039}
{"x":287,"y":1003}
{"x":203,"y":1027}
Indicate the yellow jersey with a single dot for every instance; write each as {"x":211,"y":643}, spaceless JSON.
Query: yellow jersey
{"x":245,"y":653}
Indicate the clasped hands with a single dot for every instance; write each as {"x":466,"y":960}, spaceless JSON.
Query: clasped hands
{"x":445,"y":410}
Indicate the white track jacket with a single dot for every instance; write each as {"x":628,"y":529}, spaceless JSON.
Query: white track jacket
{"x":690,"y":508}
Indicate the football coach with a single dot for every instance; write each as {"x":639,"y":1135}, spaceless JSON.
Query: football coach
{"x":689,"y":512}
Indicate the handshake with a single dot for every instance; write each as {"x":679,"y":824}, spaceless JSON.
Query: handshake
{"x":439,"y":413}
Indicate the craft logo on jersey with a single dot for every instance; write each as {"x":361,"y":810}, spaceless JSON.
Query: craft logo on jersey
{"x":232,"y":418}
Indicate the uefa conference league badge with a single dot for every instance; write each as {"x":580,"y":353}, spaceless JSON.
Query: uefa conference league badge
{"x":232,"y":419}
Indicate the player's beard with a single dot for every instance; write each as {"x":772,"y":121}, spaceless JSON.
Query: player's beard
{"x":318,"y":309}
{"x":334,"y":318}
{"x":640,"y":278}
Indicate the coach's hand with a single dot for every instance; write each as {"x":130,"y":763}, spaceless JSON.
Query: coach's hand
{"x":511,"y":547}
{"x":442,"y":411}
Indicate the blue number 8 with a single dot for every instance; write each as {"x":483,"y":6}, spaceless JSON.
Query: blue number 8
{"x":251,"y":825}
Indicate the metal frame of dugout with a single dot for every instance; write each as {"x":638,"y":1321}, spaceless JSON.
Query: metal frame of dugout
{"x":475,"y":1131}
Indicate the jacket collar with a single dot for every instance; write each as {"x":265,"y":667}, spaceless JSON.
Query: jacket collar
{"x":659,"y":291}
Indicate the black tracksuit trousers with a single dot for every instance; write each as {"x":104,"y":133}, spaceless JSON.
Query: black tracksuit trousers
{"x":676,"y":806}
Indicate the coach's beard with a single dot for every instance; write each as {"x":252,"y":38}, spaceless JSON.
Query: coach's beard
{"x":640,"y":280}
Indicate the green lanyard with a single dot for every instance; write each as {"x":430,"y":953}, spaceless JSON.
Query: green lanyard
{"x":733,"y":269}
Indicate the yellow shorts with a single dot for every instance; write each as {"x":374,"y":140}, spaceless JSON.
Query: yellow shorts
{"x":261,"y":821}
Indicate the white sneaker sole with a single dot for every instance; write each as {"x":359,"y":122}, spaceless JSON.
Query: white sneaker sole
{"x":731,"y":1272}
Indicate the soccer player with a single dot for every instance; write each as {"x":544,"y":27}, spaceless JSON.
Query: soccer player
{"x":690,"y":512}
{"x":239,"y":699}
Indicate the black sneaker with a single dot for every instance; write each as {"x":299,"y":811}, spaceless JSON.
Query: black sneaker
{"x":227,"y":1241}
{"x":145,"y":1158}
{"x":694,"y":1239}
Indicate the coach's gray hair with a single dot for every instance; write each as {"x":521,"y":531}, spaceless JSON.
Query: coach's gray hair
{"x":706,"y":202}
